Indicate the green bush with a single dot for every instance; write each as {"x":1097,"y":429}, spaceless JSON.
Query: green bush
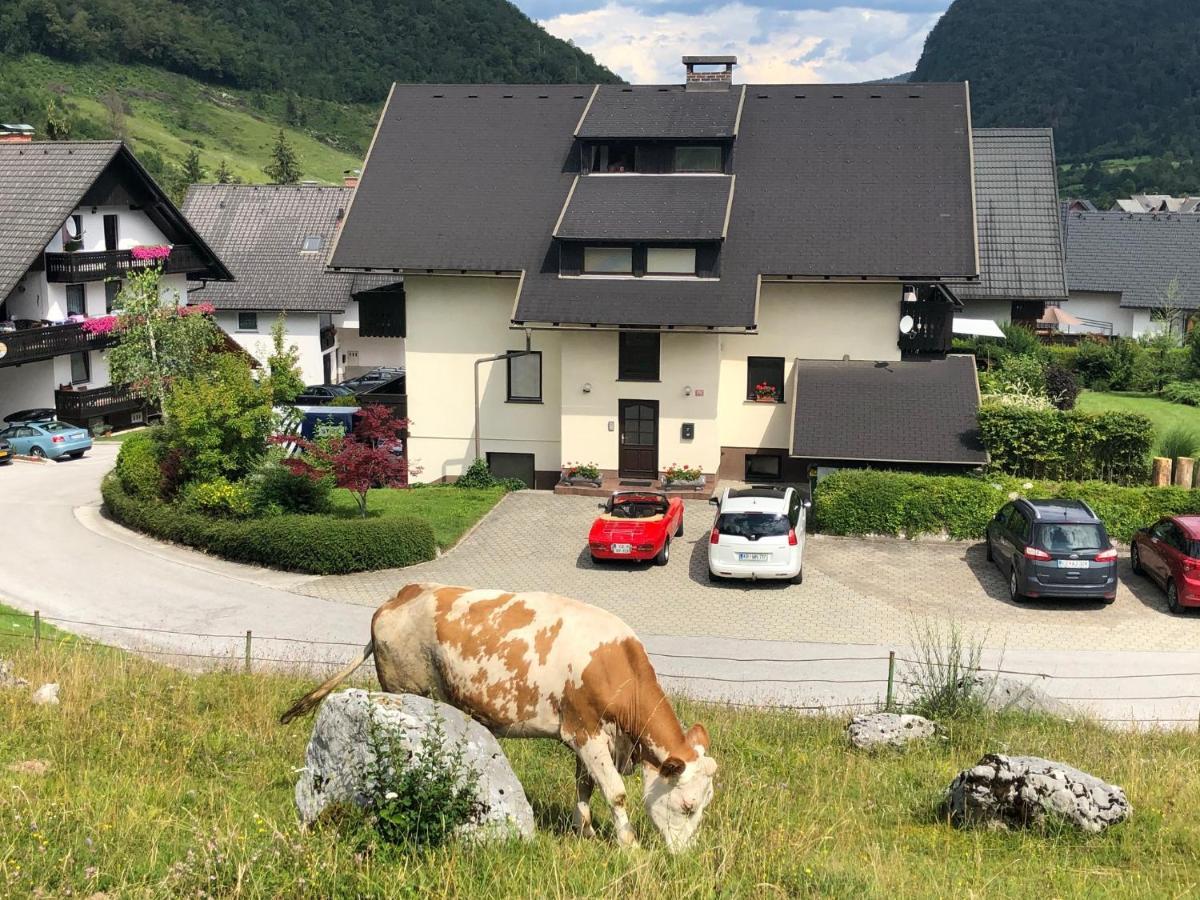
{"x":1107,"y":363}
{"x":866,"y":501}
{"x":138,"y":464}
{"x":219,"y":497}
{"x":1021,"y":341}
{"x":1061,"y":385}
{"x":321,"y":545}
{"x":1071,"y":445}
{"x":274,"y":488}
{"x":478,"y":475}
{"x":1185,"y":392}
{"x":1062,"y":355}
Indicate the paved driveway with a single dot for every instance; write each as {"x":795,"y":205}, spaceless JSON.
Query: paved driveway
{"x":855,"y":591}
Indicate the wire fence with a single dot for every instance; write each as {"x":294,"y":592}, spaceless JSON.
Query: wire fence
{"x":893,"y":675}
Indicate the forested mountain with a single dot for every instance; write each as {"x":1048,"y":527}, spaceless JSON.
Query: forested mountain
{"x":348,"y":50}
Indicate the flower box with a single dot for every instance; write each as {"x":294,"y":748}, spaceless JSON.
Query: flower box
{"x":579,"y":481}
{"x":581,"y":474}
{"x":695,"y":484}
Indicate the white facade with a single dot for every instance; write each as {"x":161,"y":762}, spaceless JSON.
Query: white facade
{"x":357,"y":354}
{"x":303,"y":330}
{"x":1106,"y":307}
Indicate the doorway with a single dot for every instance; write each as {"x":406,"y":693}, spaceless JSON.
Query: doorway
{"x":638,"y":456}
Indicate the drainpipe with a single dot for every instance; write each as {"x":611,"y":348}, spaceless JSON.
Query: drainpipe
{"x":508,"y":354}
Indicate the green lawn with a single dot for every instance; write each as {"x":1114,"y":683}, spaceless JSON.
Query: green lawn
{"x":168,"y":784}
{"x":1163,"y":414}
{"x":119,"y":436}
{"x":450,"y":510}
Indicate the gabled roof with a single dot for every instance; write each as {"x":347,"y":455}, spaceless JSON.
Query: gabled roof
{"x":647,"y":207}
{"x":42,"y":182}
{"x":661,"y":111}
{"x":833,"y":181}
{"x":901,"y":412}
{"x":1020,"y":238}
{"x":259,"y":231}
{"x":1135,"y":255}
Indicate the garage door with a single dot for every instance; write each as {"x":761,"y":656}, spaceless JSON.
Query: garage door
{"x":512,"y":465}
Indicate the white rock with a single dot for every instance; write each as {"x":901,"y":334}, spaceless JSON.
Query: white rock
{"x":1007,"y":694}
{"x":339,"y":753}
{"x":1023,"y":790}
{"x":886,"y":729}
{"x":46,"y":695}
{"x":7,"y":678}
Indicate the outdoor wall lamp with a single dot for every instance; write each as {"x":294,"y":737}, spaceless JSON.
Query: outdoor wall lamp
{"x":687,"y":390}
{"x":587,"y":387}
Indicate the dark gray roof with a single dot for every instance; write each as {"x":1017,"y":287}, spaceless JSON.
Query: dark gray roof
{"x":42,"y":182}
{"x":661,"y":111}
{"x":1020,"y":239}
{"x":647,"y":207}
{"x":1135,"y":255}
{"x":853,"y":181}
{"x":258,"y":230}
{"x":902,"y":412}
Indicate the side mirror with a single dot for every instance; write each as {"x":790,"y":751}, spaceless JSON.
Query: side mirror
{"x":602,"y":506}
{"x":808,"y":504}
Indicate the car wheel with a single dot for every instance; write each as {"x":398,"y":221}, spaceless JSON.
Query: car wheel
{"x":798,"y":578}
{"x":1135,"y":561}
{"x":664,"y":555}
{"x":1014,"y":588}
{"x":38,"y":452}
{"x":1173,"y":598}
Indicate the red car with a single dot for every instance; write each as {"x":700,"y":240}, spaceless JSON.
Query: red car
{"x":636,"y":525}
{"x":1169,"y":552}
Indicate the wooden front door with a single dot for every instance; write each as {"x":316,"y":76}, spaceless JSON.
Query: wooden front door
{"x":639,"y":438}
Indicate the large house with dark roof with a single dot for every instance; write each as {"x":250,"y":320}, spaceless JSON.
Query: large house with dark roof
{"x":73,"y":215}
{"x":276,"y":240}
{"x":1126,"y":269}
{"x":755,"y":280}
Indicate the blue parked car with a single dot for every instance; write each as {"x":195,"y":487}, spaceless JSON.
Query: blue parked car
{"x":51,"y":440}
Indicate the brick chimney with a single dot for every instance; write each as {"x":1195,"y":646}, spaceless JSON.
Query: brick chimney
{"x":709,"y":79}
{"x":16,"y":134}
{"x":350,"y":177}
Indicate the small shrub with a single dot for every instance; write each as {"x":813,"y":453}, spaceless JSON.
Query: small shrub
{"x":219,"y":497}
{"x":945,"y":679}
{"x":420,"y":798}
{"x":1179,"y":441}
{"x":1061,"y":386}
{"x":275,"y":487}
{"x":1185,"y":392}
{"x":1021,"y":341}
{"x":1106,"y":365}
{"x":138,"y":465}
{"x":478,"y":475}
{"x":344,"y":400}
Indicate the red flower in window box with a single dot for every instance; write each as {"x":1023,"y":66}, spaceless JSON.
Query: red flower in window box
{"x":765,"y":393}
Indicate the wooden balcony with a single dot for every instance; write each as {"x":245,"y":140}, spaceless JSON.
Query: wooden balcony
{"x":101,"y":264}
{"x":933,"y":328}
{"x":80,"y":407}
{"x":33,"y":344}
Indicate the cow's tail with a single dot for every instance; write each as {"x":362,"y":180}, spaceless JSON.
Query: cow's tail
{"x":309,"y":701}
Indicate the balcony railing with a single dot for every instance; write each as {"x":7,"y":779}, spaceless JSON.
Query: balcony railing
{"x":932,"y":330}
{"x":79,"y":407}
{"x":99,"y":264}
{"x":33,"y":344}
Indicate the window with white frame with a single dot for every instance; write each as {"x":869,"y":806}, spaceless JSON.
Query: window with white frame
{"x":608,"y":260}
{"x":670,"y":260}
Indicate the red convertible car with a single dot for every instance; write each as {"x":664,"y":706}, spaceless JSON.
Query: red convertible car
{"x":636,"y":525}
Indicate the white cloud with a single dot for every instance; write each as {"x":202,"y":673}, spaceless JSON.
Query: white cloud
{"x":844,"y":44}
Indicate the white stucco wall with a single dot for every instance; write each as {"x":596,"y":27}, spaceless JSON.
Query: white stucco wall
{"x":357,"y":354}
{"x":453,"y":321}
{"x":303,"y":330}
{"x":997,"y":310}
{"x":30,"y":385}
{"x":1104,"y":307}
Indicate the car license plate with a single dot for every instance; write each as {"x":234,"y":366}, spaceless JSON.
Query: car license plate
{"x":1072,"y":563}
{"x":622,"y":548}
{"x":753,"y":557}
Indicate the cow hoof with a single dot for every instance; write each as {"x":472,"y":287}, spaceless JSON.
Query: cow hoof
{"x":627,"y":839}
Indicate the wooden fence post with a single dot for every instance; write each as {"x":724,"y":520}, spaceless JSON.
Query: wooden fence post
{"x":1184,"y":470}
{"x":249,"y":638}
{"x":891,"y":679}
{"x":37,"y":629}
{"x":1161,"y":476}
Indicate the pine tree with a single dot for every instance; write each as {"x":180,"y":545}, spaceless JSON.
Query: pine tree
{"x":224,"y":175}
{"x":284,"y":167}
{"x":193,"y":171}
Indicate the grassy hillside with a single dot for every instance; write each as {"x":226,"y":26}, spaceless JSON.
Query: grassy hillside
{"x":164,"y":784}
{"x":164,"y":115}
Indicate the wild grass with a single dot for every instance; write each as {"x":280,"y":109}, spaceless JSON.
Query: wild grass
{"x":450,"y":510}
{"x":1181,"y":440}
{"x":944,"y":680}
{"x":163,"y":783}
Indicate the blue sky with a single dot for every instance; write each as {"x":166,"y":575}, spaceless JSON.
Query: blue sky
{"x":774,"y":40}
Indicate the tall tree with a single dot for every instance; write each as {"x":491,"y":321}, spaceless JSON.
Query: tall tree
{"x":58,"y":125}
{"x":224,"y":175}
{"x":193,"y":169}
{"x":287,"y":382}
{"x":284,"y":167}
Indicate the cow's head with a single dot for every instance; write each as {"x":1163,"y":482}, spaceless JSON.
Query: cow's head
{"x":677,"y":791}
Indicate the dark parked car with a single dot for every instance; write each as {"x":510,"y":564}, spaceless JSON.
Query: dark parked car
{"x":389,"y":376}
{"x":1169,"y":552}
{"x":316,"y":394}
{"x":1053,"y":548}
{"x":37,"y":414}
{"x":6,"y":452}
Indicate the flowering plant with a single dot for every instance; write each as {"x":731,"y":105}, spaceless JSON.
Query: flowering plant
{"x":99,"y":325}
{"x":676,"y":472}
{"x":150,"y":252}
{"x":203,"y":309}
{"x":765,"y":391}
{"x":589,"y":471}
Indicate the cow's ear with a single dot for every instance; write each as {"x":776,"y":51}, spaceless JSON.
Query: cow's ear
{"x":672,"y":767}
{"x":697,"y":736}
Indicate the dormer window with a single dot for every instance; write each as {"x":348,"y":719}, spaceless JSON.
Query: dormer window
{"x":608,"y":260}
{"x":670,"y":260}
{"x":614,"y":157}
{"x":689,"y":158}
{"x":312,"y":243}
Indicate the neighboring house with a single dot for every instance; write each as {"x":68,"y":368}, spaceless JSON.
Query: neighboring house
{"x":1020,"y":228}
{"x":1157,"y":203}
{"x":72,"y":215}
{"x":661,"y":252}
{"x":1125,"y":269}
{"x":276,"y":239}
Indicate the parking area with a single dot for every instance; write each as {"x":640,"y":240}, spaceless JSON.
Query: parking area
{"x":868,"y":591}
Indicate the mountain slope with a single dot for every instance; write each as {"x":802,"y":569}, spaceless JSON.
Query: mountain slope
{"x":1114,"y":78}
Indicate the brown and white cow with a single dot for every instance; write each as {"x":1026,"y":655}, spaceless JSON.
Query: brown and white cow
{"x":538,"y":665}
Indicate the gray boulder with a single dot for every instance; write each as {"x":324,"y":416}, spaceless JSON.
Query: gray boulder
{"x":339,"y":753}
{"x":1006,"y":694}
{"x":7,"y":678}
{"x":1024,"y":790}
{"x":886,"y":729}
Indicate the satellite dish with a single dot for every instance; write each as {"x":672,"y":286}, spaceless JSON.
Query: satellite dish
{"x":906,"y":324}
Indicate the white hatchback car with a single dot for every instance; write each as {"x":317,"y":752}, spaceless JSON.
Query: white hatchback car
{"x":758,"y":534}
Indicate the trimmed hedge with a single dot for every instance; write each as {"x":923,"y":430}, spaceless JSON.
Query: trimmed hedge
{"x":138,"y":467}
{"x":902,"y":504}
{"x":1185,"y":392}
{"x":321,"y":545}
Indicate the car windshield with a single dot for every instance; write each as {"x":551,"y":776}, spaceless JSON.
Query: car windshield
{"x":753,"y":525}
{"x":1068,"y":538}
{"x":638,"y":508}
{"x":56,"y":426}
